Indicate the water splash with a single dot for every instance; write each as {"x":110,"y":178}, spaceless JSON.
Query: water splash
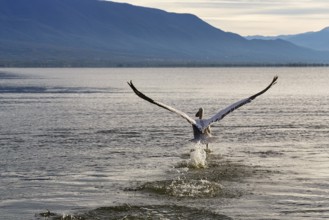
{"x":183,"y":188}
{"x":194,"y":188}
{"x":198,"y":157}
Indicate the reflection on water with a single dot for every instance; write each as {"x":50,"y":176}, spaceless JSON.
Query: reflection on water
{"x":75,"y":140}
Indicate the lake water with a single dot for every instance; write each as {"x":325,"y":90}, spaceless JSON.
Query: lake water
{"x":75,"y":140}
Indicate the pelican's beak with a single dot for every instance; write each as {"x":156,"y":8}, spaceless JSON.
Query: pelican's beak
{"x":197,"y":114}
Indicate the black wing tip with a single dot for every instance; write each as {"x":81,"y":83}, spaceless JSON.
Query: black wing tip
{"x":275,"y":78}
{"x":130,"y":83}
{"x":274,"y":81}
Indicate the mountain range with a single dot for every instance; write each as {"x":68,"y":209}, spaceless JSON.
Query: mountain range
{"x":316,"y":40}
{"x":104,"y":33}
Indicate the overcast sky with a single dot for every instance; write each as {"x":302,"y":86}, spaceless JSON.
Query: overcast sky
{"x":251,"y":17}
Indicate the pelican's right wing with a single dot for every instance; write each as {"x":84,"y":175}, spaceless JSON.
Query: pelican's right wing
{"x":221,"y":114}
{"x":180,"y":113}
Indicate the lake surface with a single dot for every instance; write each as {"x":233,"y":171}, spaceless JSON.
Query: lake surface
{"x":75,"y":140}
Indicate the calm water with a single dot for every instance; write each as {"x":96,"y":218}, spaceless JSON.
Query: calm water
{"x":74,"y":140}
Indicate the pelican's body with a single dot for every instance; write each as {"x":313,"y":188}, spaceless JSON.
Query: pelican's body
{"x":201,"y":126}
{"x":199,"y":135}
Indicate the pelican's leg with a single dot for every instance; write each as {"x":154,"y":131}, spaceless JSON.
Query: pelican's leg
{"x":208,"y":135}
{"x":207,"y":149}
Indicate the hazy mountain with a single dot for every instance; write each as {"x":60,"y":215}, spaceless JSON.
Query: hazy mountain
{"x":93,"y":32}
{"x":318,"y":40}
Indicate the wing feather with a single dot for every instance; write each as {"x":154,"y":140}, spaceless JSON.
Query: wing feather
{"x":221,"y":114}
{"x":180,"y":113}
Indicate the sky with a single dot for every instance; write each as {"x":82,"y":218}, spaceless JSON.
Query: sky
{"x":251,"y":17}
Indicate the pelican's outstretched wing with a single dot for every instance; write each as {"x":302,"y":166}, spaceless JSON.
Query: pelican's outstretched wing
{"x":221,"y":114}
{"x":180,"y":113}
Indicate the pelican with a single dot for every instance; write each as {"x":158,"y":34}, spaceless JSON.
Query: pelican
{"x":201,"y":126}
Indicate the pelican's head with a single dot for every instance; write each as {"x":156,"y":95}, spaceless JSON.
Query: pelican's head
{"x":199,"y":113}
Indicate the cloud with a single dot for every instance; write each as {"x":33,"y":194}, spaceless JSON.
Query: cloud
{"x":247,"y":17}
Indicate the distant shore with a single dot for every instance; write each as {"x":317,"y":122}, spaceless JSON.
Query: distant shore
{"x":105,"y":64}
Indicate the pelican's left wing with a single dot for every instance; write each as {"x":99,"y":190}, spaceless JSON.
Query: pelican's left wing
{"x":180,"y":113}
{"x":221,"y":114}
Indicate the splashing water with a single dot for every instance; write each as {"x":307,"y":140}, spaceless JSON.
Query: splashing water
{"x":194,"y":188}
{"x":184,"y":188}
{"x":198,"y":157}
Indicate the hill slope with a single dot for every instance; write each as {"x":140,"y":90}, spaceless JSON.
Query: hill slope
{"x":316,"y":40}
{"x":92,"y":32}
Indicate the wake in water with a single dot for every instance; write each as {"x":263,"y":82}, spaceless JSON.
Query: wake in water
{"x":201,"y":175}
{"x":125,"y":211}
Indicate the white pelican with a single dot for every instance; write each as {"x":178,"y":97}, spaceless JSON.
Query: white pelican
{"x":201,"y":127}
